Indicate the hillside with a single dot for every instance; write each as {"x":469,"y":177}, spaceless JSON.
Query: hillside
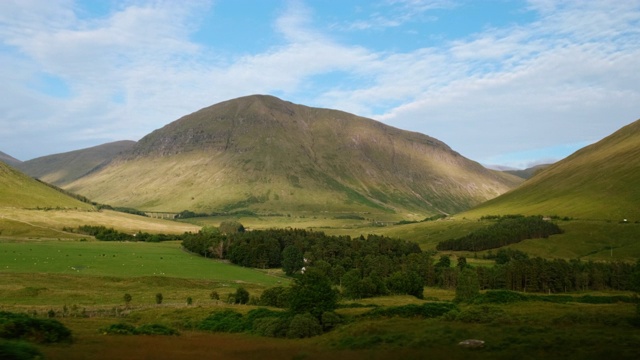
{"x":61,"y":169}
{"x":8,"y":159}
{"x":528,"y":173}
{"x":263,"y":154}
{"x":20,"y":191}
{"x":599,"y":181}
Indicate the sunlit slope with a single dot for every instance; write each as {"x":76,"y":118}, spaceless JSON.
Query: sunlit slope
{"x":61,"y":169}
{"x":20,"y":191}
{"x":264,"y":154}
{"x":600,"y":181}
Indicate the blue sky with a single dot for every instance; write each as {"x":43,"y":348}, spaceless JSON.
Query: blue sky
{"x":511,"y":83}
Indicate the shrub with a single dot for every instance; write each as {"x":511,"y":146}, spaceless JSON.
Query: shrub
{"x":223,"y":321}
{"x":119,"y":329}
{"x":189,"y":300}
{"x":214,"y":295}
{"x":18,"y":350}
{"x":241,"y":296}
{"x":23,"y":327}
{"x":156,"y":329}
{"x":271,"y":326}
{"x":304,"y":325}
{"x":159,"y":298}
{"x":275,"y":296}
{"x":500,"y":297}
{"x":426,"y":310}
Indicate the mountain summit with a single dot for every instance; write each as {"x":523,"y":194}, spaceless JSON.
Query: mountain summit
{"x":264,"y":154}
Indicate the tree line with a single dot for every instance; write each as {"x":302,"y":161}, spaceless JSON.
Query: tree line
{"x":507,"y":230}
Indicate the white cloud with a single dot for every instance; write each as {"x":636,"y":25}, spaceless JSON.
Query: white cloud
{"x":571,"y":76}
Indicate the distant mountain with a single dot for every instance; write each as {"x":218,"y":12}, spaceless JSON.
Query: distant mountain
{"x":64,"y":168}
{"x":9,"y":160}
{"x":528,"y":172}
{"x":20,"y":191}
{"x":264,"y":154}
{"x":599,"y":181}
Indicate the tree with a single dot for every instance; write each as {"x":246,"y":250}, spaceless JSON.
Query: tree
{"x":468,"y":286}
{"x":214,"y":295}
{"x":292,"y":260}
{"x":159,"y":298}
{"x":241,"y":296}
{"x":230,"y":227}
{"x":312,"y":293}
{"x":189,"y":300}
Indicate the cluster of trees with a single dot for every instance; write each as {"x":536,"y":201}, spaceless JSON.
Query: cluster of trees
{"x":363,"y":266}
{"x":103,"y":233}
{"x":507,"y":230}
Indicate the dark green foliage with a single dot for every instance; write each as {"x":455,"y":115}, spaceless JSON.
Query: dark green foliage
{"x":18,"y":350}
{"x":292,"y":260}
{"x":189,"y":300}
{"x":231,"y":227}
{"x":276,"y":296}
{"x":214,"y":295}
{"x":312,"y":293}
{"x":241,"y":296}
{"x":103,"y":233}
{"x":223,"y":321}
{"x":406,"y":282}
{"x":500,"y":297}
{"x":271,"y":326}
{"x":507,"y":230}
{"x":145,"y":329}
{"x":426,"y":310}
{"x":303,"y":326}
{"x":119,"y":329}
{"x":468,"y":286}
{"x":127,"y":298}
{"x":22,"y":327}
{"x":159,"y":298}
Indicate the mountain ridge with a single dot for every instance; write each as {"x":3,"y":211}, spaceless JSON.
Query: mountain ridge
{"x":264,"y":154}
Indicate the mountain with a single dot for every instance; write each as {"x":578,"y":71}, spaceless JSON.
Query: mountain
{"x":64,"y":168}
{"x":528,"y":172}
{"x":9,"y":160}
{"x":20,"y":191}
{"x":599,"y":181}
{"x":264,"y":154}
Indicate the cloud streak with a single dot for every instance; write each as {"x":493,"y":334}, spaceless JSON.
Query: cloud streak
{"x":568,"y":77}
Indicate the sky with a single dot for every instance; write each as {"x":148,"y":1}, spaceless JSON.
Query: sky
{"x":509,"y":83}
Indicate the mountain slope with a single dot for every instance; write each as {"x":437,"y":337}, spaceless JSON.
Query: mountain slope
{"x":8,"y":159}
{"x":528,"y":173}
{"x":61,"y":169}
{"x":599,"y":181}
{"x":20,"y":191}
{"x":267,"y":155}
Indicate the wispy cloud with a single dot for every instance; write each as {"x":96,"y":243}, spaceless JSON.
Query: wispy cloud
{"x":569,"y":76}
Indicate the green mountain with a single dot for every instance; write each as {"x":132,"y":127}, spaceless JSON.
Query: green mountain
{"x":8,"y":159}
{"x":263,"y":154}
{"x":599,"y":181}
{"x":61,"y":169}
{"x":20,"y":191}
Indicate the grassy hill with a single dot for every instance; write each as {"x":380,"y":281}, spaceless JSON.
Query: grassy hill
{"x":263,"y":154}
{"x":20,"y":191}
{"x":61,"y":169}
{"x":528,"y":173}
{"x":599,"y":181}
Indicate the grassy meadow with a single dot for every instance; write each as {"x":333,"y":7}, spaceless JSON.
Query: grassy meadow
{"x":82,"y":281}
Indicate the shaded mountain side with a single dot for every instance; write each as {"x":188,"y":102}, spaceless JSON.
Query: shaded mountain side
{"x":61,"y":169}
{"x":20,"y":191}
{"x":9,"y":160}
{"x":264,"y":154}
{"x":599,"y":181}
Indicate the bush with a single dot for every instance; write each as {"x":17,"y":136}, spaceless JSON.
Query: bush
{"x":241,"y":296}
{"x":146,"y":329}
{"x":156,"y":329}
{"x":271,"y":327}
{"x":304,"y":325}
{"x":119,"y":329}
{"x":23,"y":327}
{"x":159,"y":298}
{"x":18,"y":350}
{"x":426,"y":310}
{"x":500,"y":297}
{"x":275,"y":296}
{"x":223,"y":321}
